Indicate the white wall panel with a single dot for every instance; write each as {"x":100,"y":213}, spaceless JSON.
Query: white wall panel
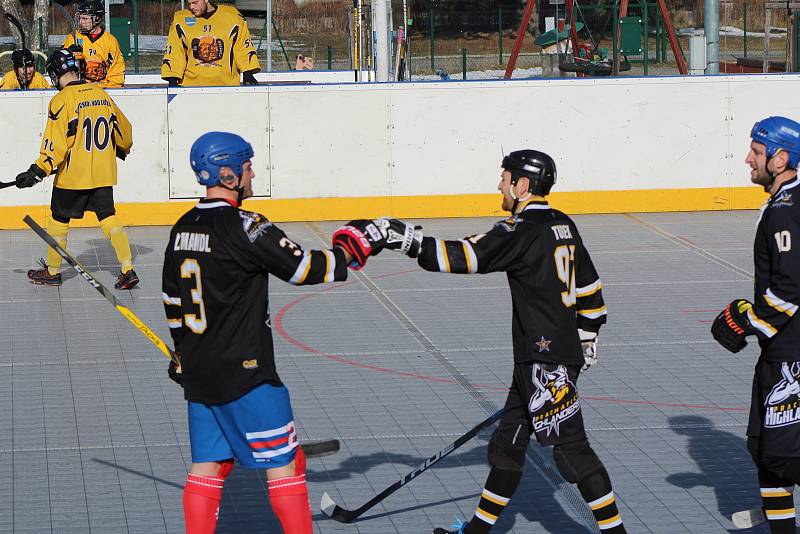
{"x":330,"y":141}
{"x":194,"y":111}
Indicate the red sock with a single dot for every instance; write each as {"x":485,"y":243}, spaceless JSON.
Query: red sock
{"x":201,"y":498}
{"x":288,"y":497}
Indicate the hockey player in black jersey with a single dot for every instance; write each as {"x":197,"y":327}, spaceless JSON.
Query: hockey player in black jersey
{"x":558,"y":309}
{"x":774,"y":427}
{"x":215,"y":290}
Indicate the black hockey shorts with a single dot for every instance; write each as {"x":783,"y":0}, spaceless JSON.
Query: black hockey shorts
{"x":73,"y":203}
{"x":543,"y":400}
{"x":775,"y":408}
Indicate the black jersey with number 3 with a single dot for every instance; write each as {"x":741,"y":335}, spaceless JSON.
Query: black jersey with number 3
{"x":215,"y":290}
{"x":555,"y":289}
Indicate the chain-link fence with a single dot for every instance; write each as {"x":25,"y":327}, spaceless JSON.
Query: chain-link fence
{"x":448,"y":43}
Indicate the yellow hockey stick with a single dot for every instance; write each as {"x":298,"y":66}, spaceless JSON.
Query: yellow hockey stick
{"x":103,"y":290}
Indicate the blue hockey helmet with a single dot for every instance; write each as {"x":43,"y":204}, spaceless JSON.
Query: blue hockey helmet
{"x":214,"y":150}
{"x":779,"y":133}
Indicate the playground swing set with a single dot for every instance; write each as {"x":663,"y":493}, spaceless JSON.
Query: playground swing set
{"x":630,"y":38}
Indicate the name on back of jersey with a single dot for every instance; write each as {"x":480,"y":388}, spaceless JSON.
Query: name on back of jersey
{"x":192,"y":242}
{"x":561,"y":231}
{"x":96,"y":102}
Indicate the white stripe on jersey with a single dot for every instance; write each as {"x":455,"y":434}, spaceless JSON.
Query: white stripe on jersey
{"x":779,"y":304}
{"x":760,"y":324}
{"x":440,"y":256}
{"x":174,"y":301}
{"x":595,"y":313}
{"x":300,"y":273}
{"x":472,"y":259}
{"x":330,"y":263}
{"x":209,"y":205}
{"x":588,"y":290}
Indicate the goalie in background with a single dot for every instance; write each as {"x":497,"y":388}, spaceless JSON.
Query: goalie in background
{"x":558,"y":310}
{"x":23,"y":75}
{"x":209,"y":45}
{"x":216,"y":297}
{"x":773,"y":431}
{"x":96,"y":50}
{"x":84,"y":134}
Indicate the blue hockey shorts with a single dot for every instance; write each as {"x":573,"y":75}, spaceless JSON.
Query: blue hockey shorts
{"x":257,"y":428}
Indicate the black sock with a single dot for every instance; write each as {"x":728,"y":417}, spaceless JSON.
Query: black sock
{"x":500,"y":486}
{"x":596,"y":491}
{"x":779,"y":509}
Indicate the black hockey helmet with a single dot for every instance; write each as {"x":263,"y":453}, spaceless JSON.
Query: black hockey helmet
{"x":537,"y":166}
{"x":22,"y":58}
{"x":59,"y":63}
{"x":95,"y":8}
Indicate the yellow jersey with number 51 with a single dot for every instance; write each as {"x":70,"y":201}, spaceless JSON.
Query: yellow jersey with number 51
{"x":210,"y":50}
{"x":84,"y":134}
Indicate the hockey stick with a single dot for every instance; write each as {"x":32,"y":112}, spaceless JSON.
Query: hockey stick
{"x":3,"y":185}
{"x":312,"y":449}
{"x":15,"y":21}
{"x":336,"y":512}
{"x":109,"y":296}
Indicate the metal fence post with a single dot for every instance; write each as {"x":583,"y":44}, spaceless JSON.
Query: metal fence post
{"x":646,"y":39}
{"x":330,"y":58}
{"x":500,"y":32}
{"x":430,"y":29}
{"x":744,"y":16}
{"x":464,"y":63}
{"x":136,"y":36}
{"x":615,"y":70}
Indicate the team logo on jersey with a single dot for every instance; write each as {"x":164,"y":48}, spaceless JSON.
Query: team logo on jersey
{"x":555,"y":399}
{"x":509,"y":225}
{"x":250,"y":364}
{"x":784,"y":198}
{"x":544,"y":344}
{"x":208,"y":49}
{"x":783,"y":403}
{"x":190,"y":21}
{"x":254,"y":224}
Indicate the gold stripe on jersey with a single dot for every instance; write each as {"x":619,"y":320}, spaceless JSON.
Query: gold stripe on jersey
{"x":330,"y":266}
{"x":470,"y":257}
{"x":594,"y":313}
{"x":441,"y":254}
{"x":779,"y":304}
{"x":303,"y":268}
{"x":760,"y":324}
{"x":786,"y":513}
{"x":591,"y":289}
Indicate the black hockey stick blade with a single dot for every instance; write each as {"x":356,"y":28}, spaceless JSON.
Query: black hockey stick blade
{"x":3,"y":185}
{"x":337,"y":513}
{"x":15,"y":21}
{"x":103,"y":290}
{"x":748,"y":518}
{"x":318,"y":449}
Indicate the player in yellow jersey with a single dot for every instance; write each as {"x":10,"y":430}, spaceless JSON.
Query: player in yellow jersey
{"x":23,"y":75}
{"x":96,"y":49}
{"x":209,"y":45}
{"x":84,"y":134}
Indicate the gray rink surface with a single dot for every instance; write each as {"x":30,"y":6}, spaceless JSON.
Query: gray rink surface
{"x":396,"y":363}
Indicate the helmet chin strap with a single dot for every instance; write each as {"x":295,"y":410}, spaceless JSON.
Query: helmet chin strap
{"x":238,"y":188}
{"x":517,"y":200}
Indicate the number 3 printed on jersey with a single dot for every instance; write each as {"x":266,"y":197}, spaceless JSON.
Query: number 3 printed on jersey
{"x":565,"y":263}
{"x":196,"y":323}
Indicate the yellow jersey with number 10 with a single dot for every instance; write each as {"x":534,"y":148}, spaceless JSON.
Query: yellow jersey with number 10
{"x":85,"y":130}
{"x":209,"y":51}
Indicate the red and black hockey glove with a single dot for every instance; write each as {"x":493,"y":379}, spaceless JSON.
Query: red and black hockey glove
{"x":361,"y":238}
{"x":731,"y":326}
{"x":401,"y":236}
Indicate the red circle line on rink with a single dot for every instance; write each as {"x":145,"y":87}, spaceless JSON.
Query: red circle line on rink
{"x":282,"y":332}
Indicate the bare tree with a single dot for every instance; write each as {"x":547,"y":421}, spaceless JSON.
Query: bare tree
{"x":41,"y":10}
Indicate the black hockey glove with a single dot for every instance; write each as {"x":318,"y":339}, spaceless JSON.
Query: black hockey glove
{"x":172,"y":81}
{"x":175,"y":373}
{"x":361,"y":238}
{"x":249,"y":78}
{"x":31,"y":177}
{"x":731,"y":326}
{"x":588,"y":347}
{"x":121,"y":154}
{"x":401,"y":236}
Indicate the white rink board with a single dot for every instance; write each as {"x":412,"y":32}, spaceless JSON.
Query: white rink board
{"x":350,"y":140}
